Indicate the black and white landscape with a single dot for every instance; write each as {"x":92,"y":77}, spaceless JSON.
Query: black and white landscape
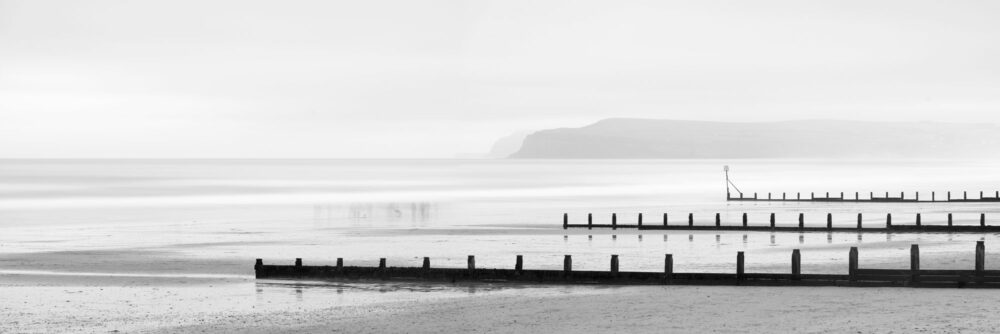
{"x":589,"y":166}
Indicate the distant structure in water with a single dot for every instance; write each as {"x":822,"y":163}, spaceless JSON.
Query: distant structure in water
{"x":887,"y":198}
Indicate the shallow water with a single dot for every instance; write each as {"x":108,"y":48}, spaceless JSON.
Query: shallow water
{"x":97,"y":223}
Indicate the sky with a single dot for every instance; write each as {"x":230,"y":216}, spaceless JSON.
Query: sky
{"x":433,"y":79}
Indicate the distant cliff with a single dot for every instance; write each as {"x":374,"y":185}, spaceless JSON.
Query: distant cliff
{"x":668,"y":139}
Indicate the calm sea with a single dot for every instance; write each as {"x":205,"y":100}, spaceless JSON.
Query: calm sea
{"x":225,"y":213}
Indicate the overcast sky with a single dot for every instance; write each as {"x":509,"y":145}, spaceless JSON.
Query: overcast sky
{"x":431,"y":79}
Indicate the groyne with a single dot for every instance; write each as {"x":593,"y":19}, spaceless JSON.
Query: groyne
{"x":856,"y":276}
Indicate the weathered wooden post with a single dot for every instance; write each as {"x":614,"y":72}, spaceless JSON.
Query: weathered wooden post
{"x":427,"y":263}
{"x":744,"y":219}
{"x":567,"y":265}
{"x":519,"y":265}
{"x":980,"y":257}
{"x":852,"y":264}
{"x":381,"y":264}
{"x":768,"y":196}
{"x":918,"y":219}
{"x":827,"y":194}
{"x":857,"y":196}
{"x":718,"y":220}
{"x":888,"y":220}
{"x":755,"y":196}
{"x":690,"y":219}
{"x":859,"y":220}
{"x":982,"y":220}
{"x":472,"y":266}
{"x":772,"y":220}
{"x":933,"y":197}
{"x":798,"y":196}
{"x":258,"y":265}
{"x":812,"y":195}
{"x":614,"y":265}
{"x":965,"y":195}
{"x":949,"y":196}
{"x":841,"y":195}
{"x":640,"y":220}
{"x":796,"y":265}
{"x":829,"y":221}
{"x":918,"y":196}
{"x":614,"y":221}
{"x":565,"y":221}
{"x":915,"y":262}
{"x":902,"y":195}
{"x":590,"y":221}
{"x":871,"y":195}
{"x":949,"y":220}
{"x":980,"y":195}
{"x":782,"y":196}
{"x":340,"y":264}
{"x":802,"y":221}
{"x":739,"y":266}
{"x":668,"y":267}
{"x":664,"y":219}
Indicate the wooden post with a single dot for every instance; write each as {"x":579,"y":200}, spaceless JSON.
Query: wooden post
{"x":982,"y":220}
{"x":590,"y":221}
{"x":918,"y":219}
{"x":664,"y":219}
{"x":768,"y":196}
{"x":565,"y":221}
{"x":918,"y":196}
{"x":980,"y":256}
{"x":782,"y":196}
{"x":857,"y":196}
{"x":340,"y":263}
{"x":802,"y":221}
{"x":841,"y":195}
{"x":772,"y":220}
{"x":812,"y":195}
{"x":744,"y":219}
{"x":827,"y":194}
{"x":798,"y":196}
{"x":567,"y":265}
{"x":690,"y":219}
{"x":980,"y":194}
{"x":949,"y":195}
{"x":829,"y":221}
{"x":258,"y":265}
{"x":381,"y":264}
{"x":427,"y":263}
{"x":668,"y":267}
{"x":949,"y":220}
{"x":852,"y":264}
{"x":965,"y":195}
{"x":519,"y":265}
{"x":859,"y":220}
{"x":915,"y":262}
{"x":614,"y":221}
{"x":640,"y":220}
{"x":739,"y":266}
{"x":796,"y":264}
{"x":614,"y":265}
{"x":755,"y":196}
{"x":298,"y":262}
{"x":888,"y":220}
{"x":933,"y":196}
{"x":718,"y":220}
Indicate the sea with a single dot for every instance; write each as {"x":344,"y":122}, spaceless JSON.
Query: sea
{"x":195,"y":226}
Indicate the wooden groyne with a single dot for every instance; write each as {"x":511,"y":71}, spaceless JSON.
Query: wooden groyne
{"x":856,"y":276}
{"x":872,"y":198}
{"x":916,"y":226}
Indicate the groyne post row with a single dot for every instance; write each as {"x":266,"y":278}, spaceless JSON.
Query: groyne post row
{"x":872,"y":197}
{"x":917,"y":226}
{"x":856,"y":276}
